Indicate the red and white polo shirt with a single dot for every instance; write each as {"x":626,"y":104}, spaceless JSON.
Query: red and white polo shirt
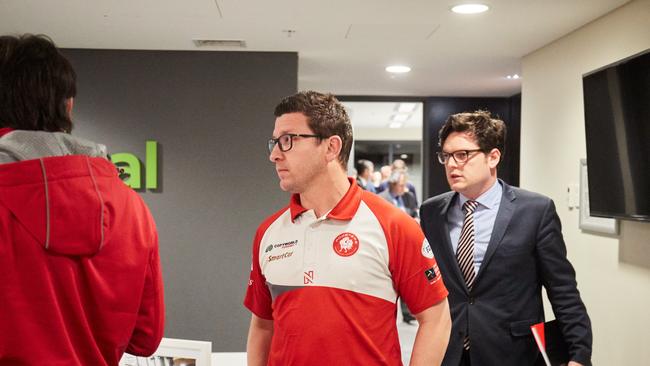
{"x":331,"y":283}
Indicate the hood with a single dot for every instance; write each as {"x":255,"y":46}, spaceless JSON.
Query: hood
{"x":60,"y":199}
{"x":19,"y":145}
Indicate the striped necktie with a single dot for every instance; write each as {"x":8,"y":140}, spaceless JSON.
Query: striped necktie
{"x":465,"y":252}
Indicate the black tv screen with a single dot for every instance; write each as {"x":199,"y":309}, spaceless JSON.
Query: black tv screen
{"x":617,"y":124}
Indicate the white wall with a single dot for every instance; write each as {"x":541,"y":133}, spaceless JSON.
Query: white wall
{"x":613,"y":273}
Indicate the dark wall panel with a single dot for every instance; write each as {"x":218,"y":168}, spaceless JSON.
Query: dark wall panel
{"x":436,"y":111}
{"x":211,"y":113}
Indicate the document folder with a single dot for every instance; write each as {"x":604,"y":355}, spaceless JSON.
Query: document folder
{"x":553,"y":345}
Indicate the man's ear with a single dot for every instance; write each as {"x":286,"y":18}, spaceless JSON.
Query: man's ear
{"x":494,"y":157}
{"x":69,"y":104}
{"x":334,"y":146}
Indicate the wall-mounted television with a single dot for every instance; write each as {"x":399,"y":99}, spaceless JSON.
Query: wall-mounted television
{"x":617,"y":125}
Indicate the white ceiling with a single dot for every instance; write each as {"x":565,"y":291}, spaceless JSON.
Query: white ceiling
{"x":343,"y":46}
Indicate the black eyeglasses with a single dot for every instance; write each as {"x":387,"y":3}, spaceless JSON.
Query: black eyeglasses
{"x":285,"y":142}
{"x":460,"y":156}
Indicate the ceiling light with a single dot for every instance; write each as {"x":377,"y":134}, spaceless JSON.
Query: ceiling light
{"x":395,"y":125}
{"x":234,"y":43}
{"x":398,"y":69}
{"x":403,"y":156}
{"x":470,"y":8}
{"x":400,"y":117}
{"x":515,"y":76}
{"x":406,"y":107}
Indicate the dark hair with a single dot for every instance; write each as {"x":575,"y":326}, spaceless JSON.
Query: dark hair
{"x":35,"y":82}
{"x":362,"y":166}
{"x":326,"y":117}
{"x":489,"y":132}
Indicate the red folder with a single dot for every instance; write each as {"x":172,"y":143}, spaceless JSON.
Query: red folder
{"x":549,"y":340}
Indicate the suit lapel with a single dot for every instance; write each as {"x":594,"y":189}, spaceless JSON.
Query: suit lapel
{"x":504,"y":216}
{"x":447,"y":248}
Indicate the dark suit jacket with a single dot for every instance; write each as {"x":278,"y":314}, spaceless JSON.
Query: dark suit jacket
{"x":411,"y":189}
{"x":526,"y":251}
{"x":410,"y":204}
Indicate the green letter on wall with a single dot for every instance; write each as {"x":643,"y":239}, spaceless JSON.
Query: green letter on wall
{"x":131,"y":166}
{"x":152,"y":165}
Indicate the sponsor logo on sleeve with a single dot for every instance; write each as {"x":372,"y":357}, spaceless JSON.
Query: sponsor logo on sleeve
{"x":346,"y":244}
{"x":426,"y":249}
{"x":432,"y":274}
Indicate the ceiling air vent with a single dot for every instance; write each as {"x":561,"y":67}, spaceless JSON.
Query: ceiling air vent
{"x":229,"y":43}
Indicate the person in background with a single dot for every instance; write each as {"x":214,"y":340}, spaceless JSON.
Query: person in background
{"x":365,"y":169}
{"x":79,"y":262}
{"x":385,"y":171}
{"x":497,"y":246}
{"x":400,"y":165}
{"x":397,"y":195}
{"x":328,"y":268}
{"x":376,"y":179}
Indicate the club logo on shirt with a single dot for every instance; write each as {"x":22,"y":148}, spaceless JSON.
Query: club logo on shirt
{"x":426,"y":249}
{"x":432,"y":274}
{"x":346,"y":244}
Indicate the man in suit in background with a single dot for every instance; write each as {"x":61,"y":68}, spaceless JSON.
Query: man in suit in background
{"x":397,"y":195}
{"x":496,"y":246}
{"x":365,"y":168}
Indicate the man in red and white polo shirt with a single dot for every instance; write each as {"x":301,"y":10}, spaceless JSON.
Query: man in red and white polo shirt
{"x":328,"y":269}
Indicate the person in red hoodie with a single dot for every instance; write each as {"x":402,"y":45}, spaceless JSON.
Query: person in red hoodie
{"x":80,"y":276}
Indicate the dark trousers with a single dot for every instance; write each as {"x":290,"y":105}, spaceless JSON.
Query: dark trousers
{"x":464,"y":359}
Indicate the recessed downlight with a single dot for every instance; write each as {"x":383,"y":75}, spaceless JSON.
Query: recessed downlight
{"x":470,"y":8}
{"x":398,"y":69}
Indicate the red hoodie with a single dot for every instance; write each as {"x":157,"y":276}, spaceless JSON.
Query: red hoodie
{"x":80,"y":276}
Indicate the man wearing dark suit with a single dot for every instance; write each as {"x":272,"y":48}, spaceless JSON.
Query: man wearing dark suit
{"x":365,"y":168}
{"x":496,"y":246}
{"x":396,"y":194}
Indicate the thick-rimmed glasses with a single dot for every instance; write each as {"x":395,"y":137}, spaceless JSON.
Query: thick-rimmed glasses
{"x":285,"y":142}
{"x":460,"y":156}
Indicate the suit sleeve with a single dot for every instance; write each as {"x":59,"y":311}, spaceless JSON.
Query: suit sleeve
{"x":558,"y":278}
{"x":149,"y":326}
